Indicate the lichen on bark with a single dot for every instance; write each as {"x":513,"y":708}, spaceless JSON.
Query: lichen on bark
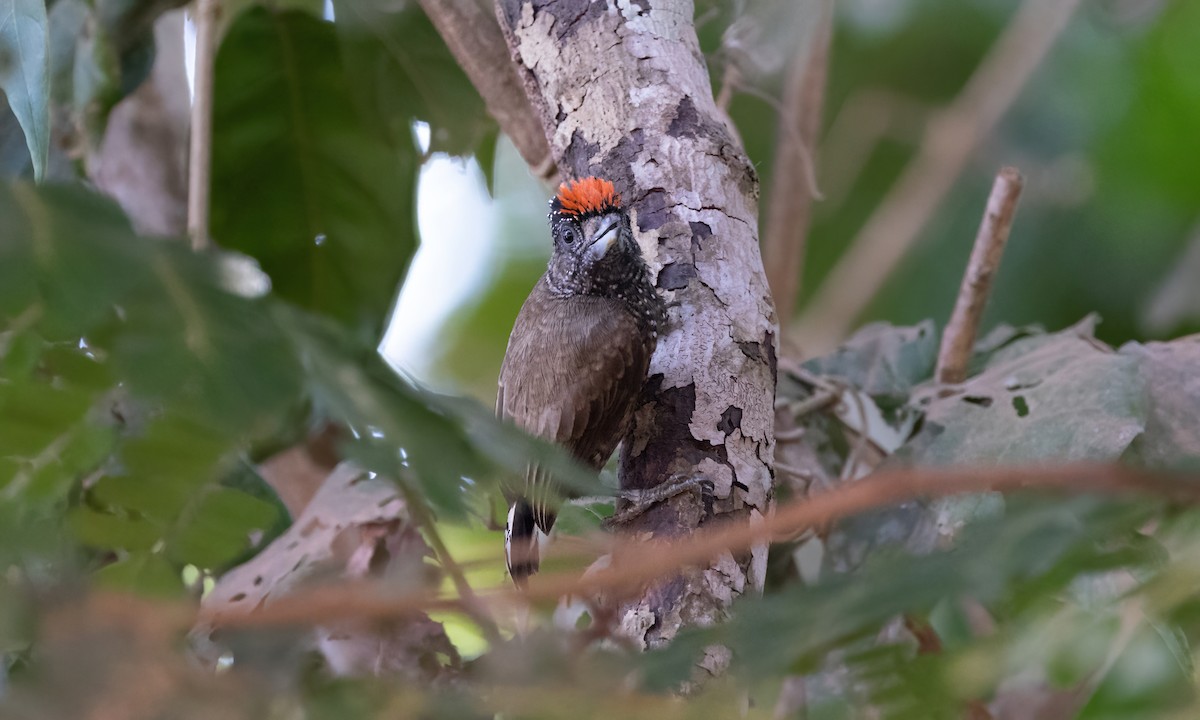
{"x":624,"y":93}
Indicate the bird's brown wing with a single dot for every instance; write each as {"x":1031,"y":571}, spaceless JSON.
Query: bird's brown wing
{"x":571,"y":374}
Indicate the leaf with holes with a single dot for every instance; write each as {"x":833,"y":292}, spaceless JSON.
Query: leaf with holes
{"x":1069,"y":398}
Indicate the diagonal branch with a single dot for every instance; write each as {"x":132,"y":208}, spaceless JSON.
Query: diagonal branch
{"x":636,"y":564}
{"x":475,"y":40}
{"x":959,"y":337}
{"x":789,"y":210}
{"x":950,"y":138}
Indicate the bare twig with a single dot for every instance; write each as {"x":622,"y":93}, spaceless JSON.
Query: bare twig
{"x":950,"y":137}
{"x":470,"y":600}
{"x":928,"y":641}
{"x":208,"y":15}
{"x":475,"y":40}
{"x":634,"y":564}
{"x":963,"y":327}
{"x":865,"y":119}
{"x":793,"y":186}
{"x":729,"y":80}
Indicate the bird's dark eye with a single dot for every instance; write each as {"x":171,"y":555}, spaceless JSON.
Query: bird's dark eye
{"x":569,"y":235}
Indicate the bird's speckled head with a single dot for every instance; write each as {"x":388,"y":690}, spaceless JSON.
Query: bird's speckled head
{"x":594,"y":249}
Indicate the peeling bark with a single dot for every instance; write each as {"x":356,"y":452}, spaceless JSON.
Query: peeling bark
{"x":624,"y":93}
{"x":357,"y":526}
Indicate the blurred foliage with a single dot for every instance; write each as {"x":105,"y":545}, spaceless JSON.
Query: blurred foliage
{"x":1100,"y":134}
{"x":141,"y":383}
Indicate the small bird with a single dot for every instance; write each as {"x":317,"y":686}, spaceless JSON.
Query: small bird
{"x":578,"y":352}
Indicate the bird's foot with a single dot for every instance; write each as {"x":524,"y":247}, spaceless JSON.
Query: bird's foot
{"x":642,"y":500}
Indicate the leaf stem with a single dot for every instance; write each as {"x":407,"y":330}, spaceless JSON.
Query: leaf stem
{"x":208,"y":13}
{"x":471,"y":603}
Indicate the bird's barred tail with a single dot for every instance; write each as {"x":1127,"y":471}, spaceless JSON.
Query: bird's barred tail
{"x":522,"y":543}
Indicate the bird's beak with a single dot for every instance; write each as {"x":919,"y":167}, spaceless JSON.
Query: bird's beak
{"x":605,"y":241}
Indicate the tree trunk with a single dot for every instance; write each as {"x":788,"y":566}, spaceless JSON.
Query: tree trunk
{"x":624,"y":90}
{"x":142,"y":161}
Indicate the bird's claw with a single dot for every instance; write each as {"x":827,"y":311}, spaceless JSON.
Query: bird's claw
{"x":642,"y":500}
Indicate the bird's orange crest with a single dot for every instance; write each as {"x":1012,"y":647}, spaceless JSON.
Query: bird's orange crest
{"x":586,"y":196}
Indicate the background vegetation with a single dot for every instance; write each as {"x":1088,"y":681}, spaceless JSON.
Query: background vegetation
{"x":143,"y":386}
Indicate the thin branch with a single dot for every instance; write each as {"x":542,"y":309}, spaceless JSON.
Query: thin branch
{"x":950,"y":138}
{"x":963,"y":327}
{"x":864,"y":120}
{"x":208,"y":15}
{"x":930,"y":643}
{"x":470,"y":600}
{"x":730,"y":79}
{"x":475,"y":40}
{"x":635,"y":564}
{"x":793,"y":184}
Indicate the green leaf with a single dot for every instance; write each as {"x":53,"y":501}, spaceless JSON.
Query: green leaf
{"x":883,"y":361}
{"x":25,"y":72}
{"x":218,"y":528}
{"x":68,"y":251}
{"x":399,"y":71}
{"x":176,"y":322}
{"x":167,"y":464}
{"x":188,"y":339}
{"x":144,"y":573}
{"x":299,"y":181}
{"x":109,"y":531}
{"x":231,"y":10}
{"x":449,"y":445}
{"x":1168,"y":378}
{"x":392,"y":429}
{"x":1067,"y":398}
{"x":14,"y":152}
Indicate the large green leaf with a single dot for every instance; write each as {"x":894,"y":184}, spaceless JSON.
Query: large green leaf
{"x":177,"y":373}
{"x":400,"y":71}
{"x":25,"y":72}
{"x":449,"y":446}
{"x":217,"y":527}
{"x":300,"y":182}
{"x":175,"y":321}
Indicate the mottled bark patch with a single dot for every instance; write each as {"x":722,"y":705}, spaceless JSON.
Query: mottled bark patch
{"x":569,"y":15}
{"x":686,"y":122}
{"x":653,"y":212}
{"x":579,"y":154}
{"x":660,"y":444}
{"x":675,"y":276}
{"x":772,"y":360}
{"x":731,"y":420}
{"x":617,"y":166}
